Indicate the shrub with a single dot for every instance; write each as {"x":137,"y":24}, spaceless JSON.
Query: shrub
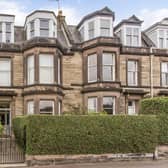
{"x":19,"y":128}
{"x":157,"y":105}
{"x":88,"y":134}
{"x":163,"y":129}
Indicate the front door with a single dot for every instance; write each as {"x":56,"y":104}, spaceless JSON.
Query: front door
{"x":5,"y":117}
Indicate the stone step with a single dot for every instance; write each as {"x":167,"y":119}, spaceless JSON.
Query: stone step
{"x":21,"y":165}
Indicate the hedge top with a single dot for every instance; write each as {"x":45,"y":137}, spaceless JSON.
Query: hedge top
{"x":154,"y":106}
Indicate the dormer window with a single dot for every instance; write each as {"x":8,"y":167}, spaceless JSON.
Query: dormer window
{"x":8,"y":32}
{"x":105,"y":27}
{"x":91,"y":29}
{"x":32,"y":29}
{"x":132,"y":36}
{"x":44,"y":27}
{"x":41,"y":24}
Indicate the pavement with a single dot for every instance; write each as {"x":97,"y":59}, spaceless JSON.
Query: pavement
{"x":123,"y":164}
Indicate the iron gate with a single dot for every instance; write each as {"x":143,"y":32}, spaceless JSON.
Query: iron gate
{"x":10,"y":152}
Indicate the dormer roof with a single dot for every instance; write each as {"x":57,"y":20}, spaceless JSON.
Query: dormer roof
{"x":102,"y":12}
{"x":163,"y":22}
{"x":133,"y":20}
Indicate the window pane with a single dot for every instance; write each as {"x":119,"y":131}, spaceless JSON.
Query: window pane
{"x":8,"y":37}
{"x":82,"y":33}
{"x":92,"y":104}
{"x":105,"y":32}
{"x":92,"y":68}
{"x":161,"y":43}
{"x":105,"y":23}
{"x":135,"y":41}
{"x":108,"y":105}
{"x":132,"y":66}
{"x":30,"y":107}
{"x":0,"y":26}
{"x":107,"y":73}
{"x":135,"y":31}
{"x":30,"y":70}
{"x":91,"y":29}
{"x":128,"y":40}
{"x":0,"y":36}
{"x":44,"y":33}
{"x":46,"y":68}
{"x":8,"y":27}
{"x":5,"y":72}
{"x":59,"y":70}
{"x":129,"y":31}
{"x":44,"y":23}
{"x":161,"y":33}
{"x":107,"y":59}
{"x":46,"y":107}
{"x":132,"y":72}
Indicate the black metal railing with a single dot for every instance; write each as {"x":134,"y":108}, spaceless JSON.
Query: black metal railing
{"x":10,"y":152}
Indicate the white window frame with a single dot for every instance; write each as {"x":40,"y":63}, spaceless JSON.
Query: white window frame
{"x":94,"y":100}
{"x":52,"y":102}
{"x":8,"y":31}
{"x":111,"y":65}
{"x":30,"y":107}
{"x":134,"y":73}
{"x":46,"y":67}
{"x":104,"y":27}
{"x":32,"y":28}
{"x":91,"y":31}
{"x":133,"y":107}
{"x":59,"y":70}
{"x":132,"y":35}
{"x":8,"y":83}
{"x":164,"y":73}
{"x":45,"y":28}
{"x":30,"y":70}
{"x":90,"y":66}
{"x":113,"y":100}
{"x":1,"y":32}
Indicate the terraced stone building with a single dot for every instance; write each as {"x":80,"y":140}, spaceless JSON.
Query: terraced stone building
{"x":49,"y":67}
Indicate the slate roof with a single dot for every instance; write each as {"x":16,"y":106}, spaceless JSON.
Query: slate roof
{"x":102,"y":12}
{"x":131,"y":20}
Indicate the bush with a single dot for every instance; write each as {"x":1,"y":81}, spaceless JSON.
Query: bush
{"x":19,"y":128}
{"x":163,"y":129}
{"x":90,"y":134}
{"x":158,"y":105}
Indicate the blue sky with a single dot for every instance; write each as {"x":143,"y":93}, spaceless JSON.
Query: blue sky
{"x":148,"y":10}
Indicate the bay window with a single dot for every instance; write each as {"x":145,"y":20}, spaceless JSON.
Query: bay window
{"x":5,"y":72}
{"x":44,"y":27}
{"x":92,"y":68}
{"x":91,"y":29}
{"x":30,"y":70}
{"x":109,"y":105}
{"x":92,"y":104}
{"x":105,"y":27}
{"x":46,"y":107}
{"x":108,"y":67}
{"x":46,"y":65}
{"x":164,"y":73}
{"x":132,"y":72}
{"x":30,"y":107}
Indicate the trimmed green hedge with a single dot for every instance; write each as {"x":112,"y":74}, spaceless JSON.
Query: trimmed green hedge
{"x":163,"y":128}
{"x":89,"y":134}
{"x":19,"y":128}
{"x":154,"y":106}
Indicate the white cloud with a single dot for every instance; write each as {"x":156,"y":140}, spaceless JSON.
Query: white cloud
{"x":13,"y":8}
{"x":152,"y":16}
{"x":71,"y":14}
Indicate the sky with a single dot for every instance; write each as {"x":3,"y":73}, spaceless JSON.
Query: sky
{"x":150,"y":11}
